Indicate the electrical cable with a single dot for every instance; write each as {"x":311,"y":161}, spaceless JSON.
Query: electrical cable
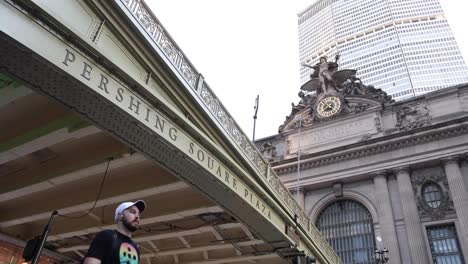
{"x":174,"y":226}
{"x":97,"y":198}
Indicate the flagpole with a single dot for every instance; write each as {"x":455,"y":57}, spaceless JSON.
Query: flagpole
{"x":255,"y":116}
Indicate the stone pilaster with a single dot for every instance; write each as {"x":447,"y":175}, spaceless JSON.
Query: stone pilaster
{"x":300,"y":198}
{"x":386,"y":220}
{"x":459,"y":193}
{"x":414,"y":230}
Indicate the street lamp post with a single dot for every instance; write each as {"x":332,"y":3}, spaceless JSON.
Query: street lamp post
{"x":381,"y":256}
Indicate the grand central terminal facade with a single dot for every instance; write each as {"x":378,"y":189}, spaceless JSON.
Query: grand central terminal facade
{"x":98,"y":105}
{"x":372,"y":173}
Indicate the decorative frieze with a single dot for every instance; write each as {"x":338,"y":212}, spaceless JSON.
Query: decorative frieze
{"x":268,"y":151}
{"x":178,"y":60}
{"x":376,"y":148}
{"x":413,"y":116}
{"x":157,"y":33}
{"x":354,"y":108}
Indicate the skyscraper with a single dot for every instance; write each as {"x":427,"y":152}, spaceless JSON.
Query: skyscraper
{"x":405,"y":47}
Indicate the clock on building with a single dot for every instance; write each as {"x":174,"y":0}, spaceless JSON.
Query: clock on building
{"x":328,"y":106}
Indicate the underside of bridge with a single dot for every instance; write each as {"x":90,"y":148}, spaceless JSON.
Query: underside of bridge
{"x":51,"y":159}
{"x":99,"y":106}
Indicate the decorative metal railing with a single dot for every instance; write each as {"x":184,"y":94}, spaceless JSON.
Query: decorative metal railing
{"x":212,"y":104}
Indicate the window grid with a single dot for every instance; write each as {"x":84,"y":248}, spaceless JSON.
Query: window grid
{"x":347,"y":226}
{"x":432,"y":195}
{"x":445,"y":247}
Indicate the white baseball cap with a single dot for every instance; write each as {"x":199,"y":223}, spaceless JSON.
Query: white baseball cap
{"x":140,"y":204}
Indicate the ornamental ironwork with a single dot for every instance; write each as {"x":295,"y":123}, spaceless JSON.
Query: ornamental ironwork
{"x":214,"y":107}
{"x":348,"y":227}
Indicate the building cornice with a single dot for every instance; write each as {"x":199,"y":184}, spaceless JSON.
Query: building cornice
{"x":375,"y":146}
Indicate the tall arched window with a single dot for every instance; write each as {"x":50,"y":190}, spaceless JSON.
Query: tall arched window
{"x":347,"y":226}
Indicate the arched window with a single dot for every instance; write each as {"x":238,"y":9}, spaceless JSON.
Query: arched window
{"x":347,"y":226}
{"x":432,"y":195}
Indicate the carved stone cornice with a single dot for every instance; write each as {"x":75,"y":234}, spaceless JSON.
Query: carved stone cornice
{"x":293,"y":190}
{"x":451,"y":159}
{"x":378,"y":174}
{"x":371,"y":147}
{"x":400,"y":170}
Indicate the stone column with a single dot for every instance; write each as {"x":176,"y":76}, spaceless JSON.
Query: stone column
{"x":413,"y":227}
{"x":300,"y":198}
{"x":386,"y":220}
{"x":459,"y":193}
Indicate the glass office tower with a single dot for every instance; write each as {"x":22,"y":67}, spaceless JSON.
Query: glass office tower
{"x":405,"y":47}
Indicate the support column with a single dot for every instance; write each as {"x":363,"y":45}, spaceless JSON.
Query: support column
{"x":459,"y":193}
{"x":411,"y":217}
{"x":386,"y":220}
{"x":300,"y":198}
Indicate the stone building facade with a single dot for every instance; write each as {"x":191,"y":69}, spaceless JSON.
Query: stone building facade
{"x":374,"y":173}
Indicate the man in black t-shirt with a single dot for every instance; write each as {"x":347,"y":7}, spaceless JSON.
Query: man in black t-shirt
{"x":116,"y":246}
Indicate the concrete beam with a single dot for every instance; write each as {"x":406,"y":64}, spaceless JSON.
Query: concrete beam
{"x":46,"y":141}
{"x":150,"y":238}
{"x":72,"y":176}
{"x":201,"y":249}
{"x":153,"y":245}
{"x":13,"y":92}
{"x":235,"y":259}
{"x":102,"y":202}
{"x":144,"y":221}
{"x":182,"y":239}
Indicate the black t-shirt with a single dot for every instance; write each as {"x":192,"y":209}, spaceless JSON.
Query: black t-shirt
{"x":112,"y":247}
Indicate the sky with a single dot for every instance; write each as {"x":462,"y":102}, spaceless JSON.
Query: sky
{"x":246,"y":48}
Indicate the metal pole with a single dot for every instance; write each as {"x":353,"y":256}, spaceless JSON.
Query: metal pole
{"x":299,"y":123}
{"x":255,"y":116}
{"x":37,"y":254}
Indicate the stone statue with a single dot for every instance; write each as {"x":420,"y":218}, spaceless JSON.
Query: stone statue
{"x":327,"y":69}
{"x":268,"y":150}
{"x":322,"y":79}
{"x":353,"y":87}
{"x":413,"y":116}
{"x":306,"y":101}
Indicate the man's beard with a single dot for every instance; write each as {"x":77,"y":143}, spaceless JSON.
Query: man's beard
{"x":129,"y":225}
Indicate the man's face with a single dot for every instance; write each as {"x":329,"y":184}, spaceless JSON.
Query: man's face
{"x":131,"y":218}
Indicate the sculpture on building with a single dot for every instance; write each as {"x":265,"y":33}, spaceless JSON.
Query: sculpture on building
{"x":322,"y":79}
{"x":413,"y":116}
{"x":305,"y":101}
{"x":331,"y":93}
{"x":268,"y":150}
